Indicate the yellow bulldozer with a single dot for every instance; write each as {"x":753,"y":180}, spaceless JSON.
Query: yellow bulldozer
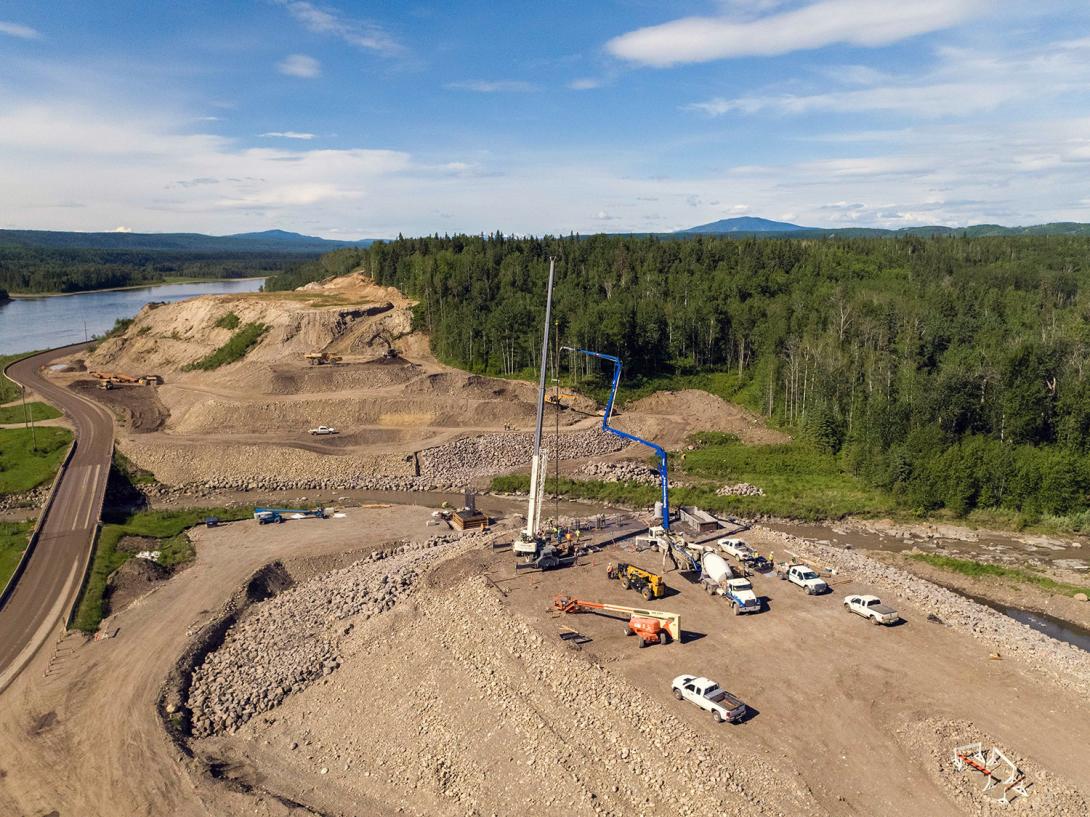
{"x":647,"y":584}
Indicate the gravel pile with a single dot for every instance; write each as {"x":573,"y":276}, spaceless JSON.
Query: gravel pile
{"x":492,"y":453}
{"x":28,"y":499}
{"x":623,"y":471}
{"x":450,"y":466}
{"x":740,"y":489}
{"x":287,"y":642}
{"x":1064,"y":663}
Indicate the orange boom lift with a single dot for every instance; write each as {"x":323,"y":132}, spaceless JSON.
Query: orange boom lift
{"x":652,"y":626}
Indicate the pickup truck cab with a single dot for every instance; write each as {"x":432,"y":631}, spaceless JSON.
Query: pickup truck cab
{"x":805,"y":577}
{"x":323,"y":430}
{"x":708,"y":695}
{"x":736,"y":548}
{"x":741,"y":596}
{"x":871,"y":607}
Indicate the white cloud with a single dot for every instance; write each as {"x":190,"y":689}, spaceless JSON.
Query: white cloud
{"x":19,"y":30}
{"x":867,"y":23}
{"x":482,"y":86}
{"x":121,"y":230}
{"x":286,"y":134}
{"x":964,"y":83}
{"x":327,"y":20}
{"x":300,"y":65}
{"x":585,"y":84}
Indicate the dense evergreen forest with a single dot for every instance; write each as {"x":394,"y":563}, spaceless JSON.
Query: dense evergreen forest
{"x":31,"y":269}
{"x":950,"y":371}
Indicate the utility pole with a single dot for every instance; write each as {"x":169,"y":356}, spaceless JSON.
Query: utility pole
{"x":28,"y":417}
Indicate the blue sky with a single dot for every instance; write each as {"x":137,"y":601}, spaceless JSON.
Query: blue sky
{"x":352,"y":119}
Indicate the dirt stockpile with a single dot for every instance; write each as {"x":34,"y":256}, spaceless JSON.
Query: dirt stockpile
{"x":285,"y":643}
{"x":351,"y":313}
{"x":935,"y":739}
{"x":483,"y":716}
{"x":669,"y":417}
{"x":1065,"y":664}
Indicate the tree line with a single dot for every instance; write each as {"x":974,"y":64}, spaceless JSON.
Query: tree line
{"x":30,"y":269}
{"x":951,"y":371}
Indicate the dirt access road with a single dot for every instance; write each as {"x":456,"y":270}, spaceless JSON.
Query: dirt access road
{"x":85,"y":740}
{"x":48,"y":587}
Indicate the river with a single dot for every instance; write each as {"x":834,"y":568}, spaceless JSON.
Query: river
{"x":28,"y":324}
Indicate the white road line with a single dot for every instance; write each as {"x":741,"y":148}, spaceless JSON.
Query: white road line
{"x":91,"y":498}
{"x":42,"y":632}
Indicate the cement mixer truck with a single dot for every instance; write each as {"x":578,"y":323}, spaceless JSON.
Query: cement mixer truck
{"x":719,"y":580}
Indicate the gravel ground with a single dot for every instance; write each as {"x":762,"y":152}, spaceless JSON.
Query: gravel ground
{"x":1065,"y":664}
{"x":483,"y":716}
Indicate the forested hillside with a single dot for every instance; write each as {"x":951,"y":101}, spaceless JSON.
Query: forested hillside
{"x":31,"y":269}
{"x":951,"y":371}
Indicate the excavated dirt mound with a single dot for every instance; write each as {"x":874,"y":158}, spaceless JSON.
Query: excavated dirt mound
{"x":132,"y":580}
{"x":669,"y":417}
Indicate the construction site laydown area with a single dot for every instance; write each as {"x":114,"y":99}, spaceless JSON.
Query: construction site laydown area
{"x":365,"y":632}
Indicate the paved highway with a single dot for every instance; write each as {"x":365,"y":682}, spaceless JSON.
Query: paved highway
{"x":47,"y":589}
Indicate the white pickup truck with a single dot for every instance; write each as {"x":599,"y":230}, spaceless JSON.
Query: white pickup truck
{"x":871,"y":607}
{"x":708,"y":695}
{"x":805,"y":577}
{"x":323,"y":430}
{"x":736,"y":548}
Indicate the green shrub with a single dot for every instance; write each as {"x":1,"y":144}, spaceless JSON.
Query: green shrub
{"x":228,"y":321}
{"x":235,"y":349}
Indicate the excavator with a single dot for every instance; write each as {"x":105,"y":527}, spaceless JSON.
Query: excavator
{"x":658,"y":536}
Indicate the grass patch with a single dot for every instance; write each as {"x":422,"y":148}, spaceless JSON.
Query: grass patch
{"x":24,"y":465}
{"x":235,"y":349}
{"x":174,"y":547}
{"x":968,"y":567}
{"x":8,"y":390}
{"x":799,"y":482}
{"x":228,"y":321}
{"x":37,"y":411}
{"x":13,"y":541}
{"x":132,"y":472}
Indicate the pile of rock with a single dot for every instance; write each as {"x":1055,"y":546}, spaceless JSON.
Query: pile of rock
{"x":27,"y":499}
{"x":740,"y":489}
{"x":287,"y":642}
{"x":450,"y":466}
{"x":622,"y":471}
{"x":460,"y":460}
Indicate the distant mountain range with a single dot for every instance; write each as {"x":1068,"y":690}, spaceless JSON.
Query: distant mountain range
{"x":750,"y":225}
{"x":269,"y":241}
